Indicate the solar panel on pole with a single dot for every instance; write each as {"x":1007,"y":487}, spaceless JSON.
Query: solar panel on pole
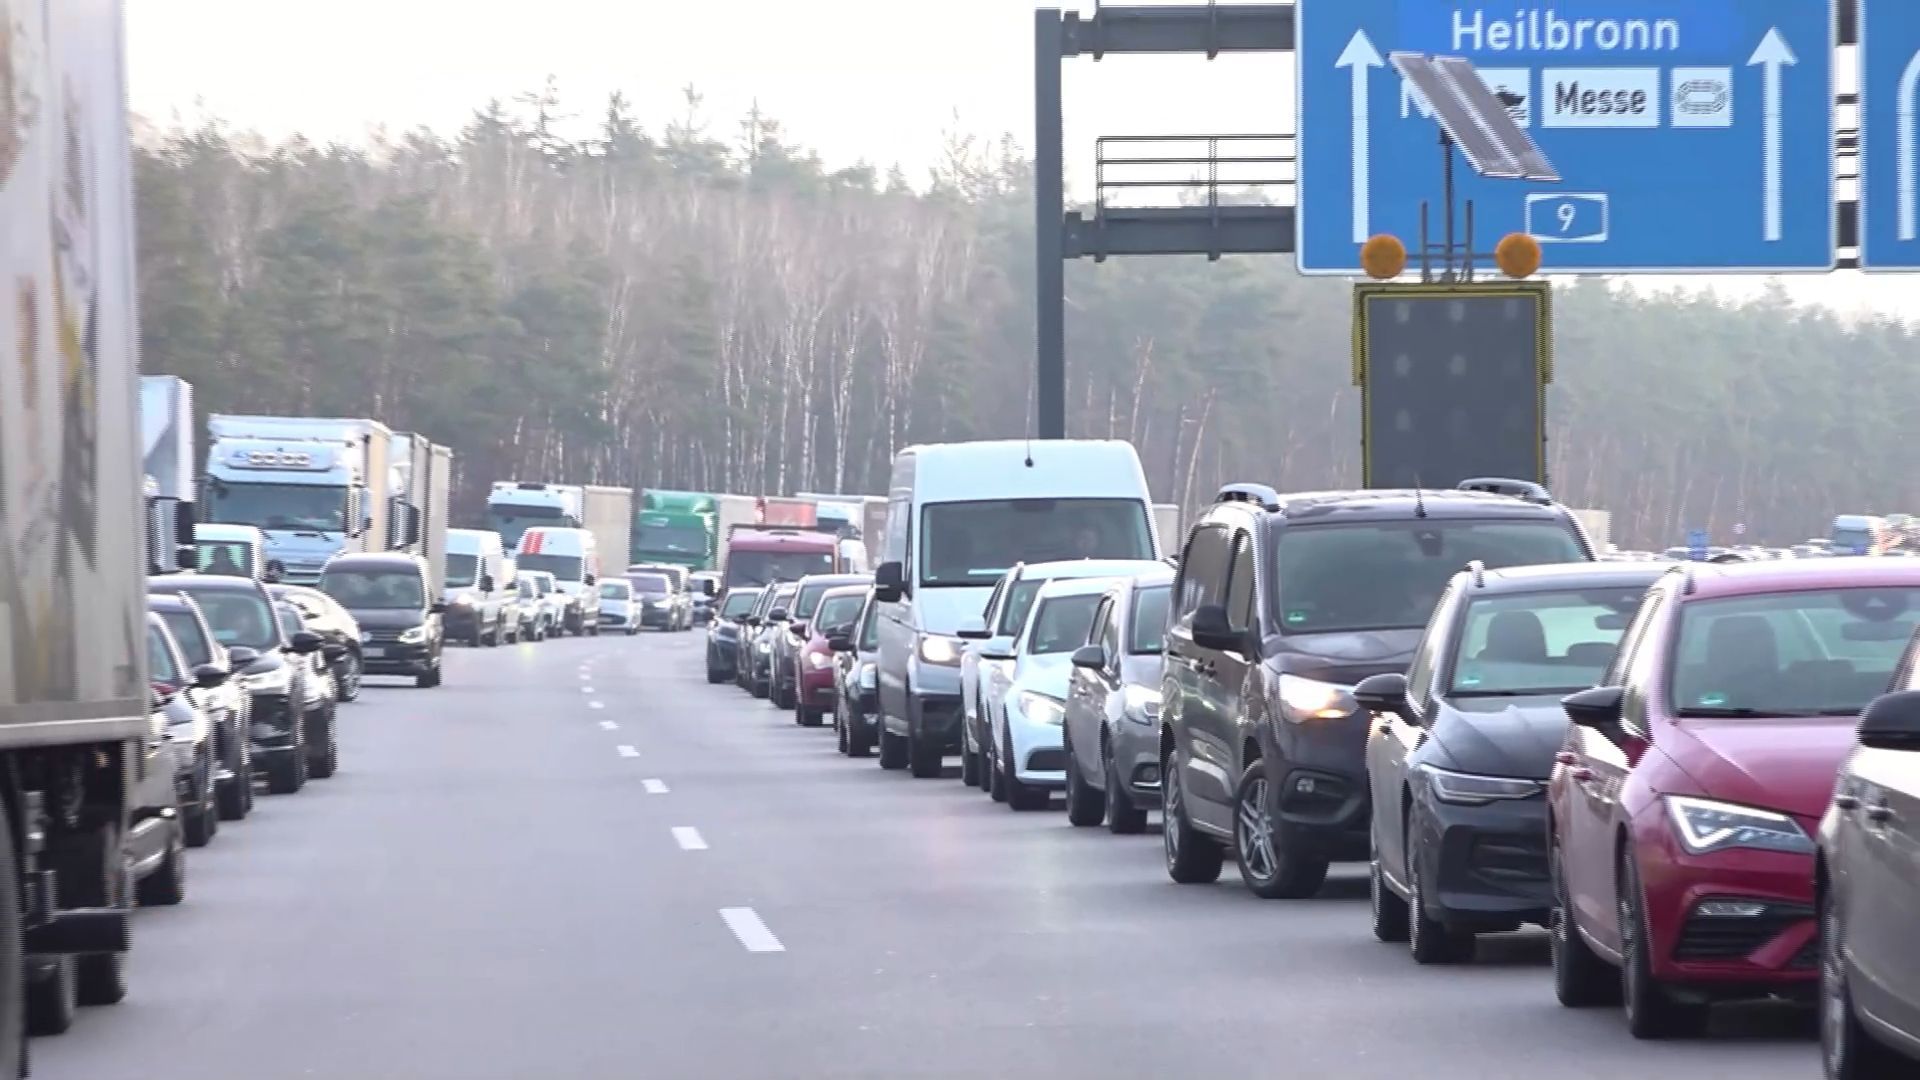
{"x":1473,"y":119}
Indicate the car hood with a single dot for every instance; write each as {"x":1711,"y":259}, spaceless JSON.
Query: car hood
{"x":942,"y":610}
{"x":1343,"y":658}
{"x":1501,"y":736}
{"x":1787,"y":765}
{"x":1048,"y":674}
{"x":386,"y":618}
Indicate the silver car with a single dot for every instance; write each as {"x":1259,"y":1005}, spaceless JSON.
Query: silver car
{"x":1113,"y":707}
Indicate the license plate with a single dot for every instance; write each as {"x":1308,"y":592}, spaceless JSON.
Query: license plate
{"x":373,"y":652}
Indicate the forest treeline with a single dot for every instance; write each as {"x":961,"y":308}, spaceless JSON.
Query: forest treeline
{"x":684,"y":310}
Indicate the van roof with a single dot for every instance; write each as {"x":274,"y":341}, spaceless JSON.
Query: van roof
{"x":375,"y":560}
{"x":998,"y":469}
{"x":219,"y":530}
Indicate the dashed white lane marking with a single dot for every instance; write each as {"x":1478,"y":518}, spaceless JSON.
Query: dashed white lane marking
{"x":627,"y":751}
{"x":654,"y":787}
{"x":596,"y":704}
{"x":586,"y":689}
{"x":752,"y":932}
{"x":608,"y":725}
{"x":688,"y":838}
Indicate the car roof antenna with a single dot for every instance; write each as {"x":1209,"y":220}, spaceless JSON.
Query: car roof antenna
{"x":1419,"y":501}
{"x":1029,"y":448}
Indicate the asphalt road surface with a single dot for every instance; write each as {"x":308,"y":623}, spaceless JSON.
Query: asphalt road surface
{"x":576,"y":860}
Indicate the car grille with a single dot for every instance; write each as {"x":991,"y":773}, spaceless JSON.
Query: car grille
{"x":383,"y":637}
{"x":1705,"y":937}
{"x":1511,"y":858}
{"x":1052,"y":760}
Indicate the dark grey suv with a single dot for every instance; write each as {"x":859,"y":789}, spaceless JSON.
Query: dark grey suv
{"x":1282,"y":604}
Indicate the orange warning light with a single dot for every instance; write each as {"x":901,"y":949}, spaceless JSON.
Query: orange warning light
{"x":1517,"y":255}
{"x":1383,"y":257}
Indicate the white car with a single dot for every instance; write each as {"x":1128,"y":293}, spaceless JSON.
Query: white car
{"x":619,"y":607}
{"x":1025,"y":701}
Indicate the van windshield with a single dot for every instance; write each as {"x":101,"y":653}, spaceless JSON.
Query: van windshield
{"x":229,"y":558}
{"x":562,"y":567}
{"x":374,"y":590}
{"x":462,"y":569}
{"x":973,"y":543}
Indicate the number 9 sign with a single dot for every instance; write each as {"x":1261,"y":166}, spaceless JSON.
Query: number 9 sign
{"x":1568,"y":218}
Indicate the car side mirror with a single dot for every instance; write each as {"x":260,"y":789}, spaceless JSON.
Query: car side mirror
{"x":752,"y":620}
{"x":1382,"y":693}
{"x":778,"y":614}
{"x":486,"y":583}
{"x":240,"y":657}
{"x":208,"y":676}
{"x":1892,"y":722}
{"x":840,"y":643}
{"x":710,"y":587}
{"x":592,"y":579}
{"x":333,"y":651}
{"x":1212,"y":630}
{"x":1092,"y":657}
{"x":438,"y":607}
{"x":798,"y":629}
{"x":305,"y":642}
{"x":1598,"y":709}
{"x":974,"y":629}
{"x":889,"y":582}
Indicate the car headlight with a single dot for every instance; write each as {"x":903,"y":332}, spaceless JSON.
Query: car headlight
{"x":869,"y":677}
{"x":1472,"y":789}
{"x":1305,"y":700}
{"x":1705,"y":825}
{"x":413,"y":635}
{"x":819,"y":660}
{"x":1141,"y":704}
{"x":269,"y":682}
{"x":1042,"y":709}
{"x":938,"y":649}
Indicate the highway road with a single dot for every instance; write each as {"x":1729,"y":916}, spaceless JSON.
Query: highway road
{"x":576,"y":860}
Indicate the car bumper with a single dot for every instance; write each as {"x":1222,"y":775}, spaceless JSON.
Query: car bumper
{"x":1136,"y":754}
{"x":272,"y":724}
{"x":620,"y":620}
{"x":462,"y":622}
{"x":936,"y":718}
{"x":656,"y":617}
{"x":1039,"y":755}
{"x":1321,"y":771}
{"x":1730,"y":955}
{"x":816,"y":688}
{"x":1487,"y":864}
{"x":388,"y":658}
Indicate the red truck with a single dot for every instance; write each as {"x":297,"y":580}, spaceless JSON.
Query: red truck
{"x":765,"y":554}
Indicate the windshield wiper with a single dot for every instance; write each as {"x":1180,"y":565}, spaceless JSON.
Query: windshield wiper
{"x":1740,"y":711}
{"x":1544,"y":692}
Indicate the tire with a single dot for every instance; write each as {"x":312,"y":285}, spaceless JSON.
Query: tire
{"x":1270,"y":871}
{"x":1580,"y":978}
{"x":893,"y":749}
{"x":167,"y":885}
{"x":429,"y":679}
{"x":103,"y":978}
{"x":990,"y":764}
{"x":1124,"y":817}
{"x":839,"y":731}
{"x":1652,"y":1012}
{"x":1847,"y":1050}
{"x":287,"y":773}
{"x":53,"y":999}
{"x":349,"y":676}
{"x":714,"y":678}
{"x":326,"y":761}
{"x":1389,"y":910}
{"x":231,"y":799}
{"x":925,"y":758}
{"x":1021,"y":796}
{"x":1429,"y":940}
{"x":201,"y":821}
{"x":1086,"y":804}
{"x":859,"y":743}
{"x":1192,"y":857}
{"x":969,"y":764}
{"x":477,"y":639}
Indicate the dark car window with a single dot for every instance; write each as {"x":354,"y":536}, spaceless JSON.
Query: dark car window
{"x":238,"y":617}
{"x":1811,"y":652}
{"x":1538,"y":643}
{"x":1148,"y":634}
{"x":375,"y":589}
{"x":1387,"y":575}
{"x":810,"y":599}
{"x":1013,"y":613}
{"x":650,"y":584}
{"x":1203,"y":569}
{"x":187,"y":634}
{"x":870,"y":628}
{"x":462,"y":569}
{"x":616,"y":590}
{"x":972,"y":543}
{"x":782,"y":596}
{"x":290,"y":623}
{"x":160,"y":666}
{"x":1240,"y":584}
{"x":1062,"y":624}
{"x":739,"y":602}
{"x":230,"y":559}
{"x":838,"y":611}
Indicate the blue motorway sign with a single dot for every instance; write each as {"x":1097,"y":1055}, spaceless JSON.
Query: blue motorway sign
{"x":1889,"y":142}
{"x":1697,"y":545}
{"x":1690,"y":135}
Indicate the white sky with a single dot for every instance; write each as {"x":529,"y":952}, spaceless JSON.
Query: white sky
{"x":854,"y":79}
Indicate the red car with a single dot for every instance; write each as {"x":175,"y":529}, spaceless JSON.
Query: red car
{"x":839,"y":608}
{"x":1692,"y":780}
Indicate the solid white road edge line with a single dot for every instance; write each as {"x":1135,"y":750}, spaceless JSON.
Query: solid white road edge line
{"x":688,"y":838}
{"x":627,"y":751}
{"x":752,"y":932}
{"x":654,"y":787}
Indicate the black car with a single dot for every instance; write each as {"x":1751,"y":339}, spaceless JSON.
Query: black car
{"x":1282,"y":604}
{"x":336,"y":626}
{"x":225,"y":703}
{"x":269,"y":663}
{"x":726,"y":632}
{"x":856,"y":662}
{"x":1461,"y":747}
{"x":767,"y":620}
{"x":387,"y":593}
{"x":322,"y":727}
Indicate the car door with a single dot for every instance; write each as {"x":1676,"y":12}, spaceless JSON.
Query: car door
{"x":1086,"y":694}
{"x":1394,"y":737}
{"x":1232,"y":667}
{"x":1205,"y":761}
{"x":970,"y":652}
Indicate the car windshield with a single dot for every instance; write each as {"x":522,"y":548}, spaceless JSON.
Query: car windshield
{"x":1389,"y":575}
{"x":1148,"y":634}
{"x":1062,"y":624}
{"x":838,"y":612}
{"x":739,"y":602}
{"x":973,"y":543}
{"x":1817,"y":652}
{"x":1013,"y":613}
{"x":160,"y":667}
{"x":648,"y":584}
{"x":767,"y":567}
{"x":374,"y":590}
{"x":186,"y":633}
{"x":563,"y":567}
{"x":810,"y":599}
{"x":462,"y":569}
{"x":300,"y":507}
{"x":543,"y":585}
{"x":1539,"y":643}
{"x":238,"y":617}
{"x":615,"y":590}
{"x":231,"y":558}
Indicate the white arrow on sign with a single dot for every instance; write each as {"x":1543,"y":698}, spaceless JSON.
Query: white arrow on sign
{"x":1360,"y":58}
{"x":1906,"y":199}
{"x":1771,"y":54}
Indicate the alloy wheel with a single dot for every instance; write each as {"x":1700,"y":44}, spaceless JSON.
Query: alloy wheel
{"x":1170,"y":809}
{"x":1253,"y":830}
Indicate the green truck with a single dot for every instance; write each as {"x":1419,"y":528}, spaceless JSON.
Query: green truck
{"x":679,"y":528}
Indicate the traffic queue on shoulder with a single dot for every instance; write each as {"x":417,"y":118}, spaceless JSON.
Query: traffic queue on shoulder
{"x":1702,"y":779}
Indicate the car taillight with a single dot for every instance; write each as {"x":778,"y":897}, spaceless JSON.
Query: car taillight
{"x":164,"y":689}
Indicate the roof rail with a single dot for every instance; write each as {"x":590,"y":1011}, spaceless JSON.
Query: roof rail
{"x":1500,"y":485}
{"x":1268,"y":498}
{"x":1685,"y":570}
{"x":1479,"y":571}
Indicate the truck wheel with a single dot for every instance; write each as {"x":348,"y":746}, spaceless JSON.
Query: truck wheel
{"x":53,"y":996}
{"x":13,"y":971}
{"x":167,"y":885}
{"x":325,"y":760}
{"x":102,"y":978}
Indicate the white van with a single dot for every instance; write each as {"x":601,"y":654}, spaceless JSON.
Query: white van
{"x":477,"y":587}
{"x":233,"y":551}
{"x":960,"y":514}
{"x":573,"y":558}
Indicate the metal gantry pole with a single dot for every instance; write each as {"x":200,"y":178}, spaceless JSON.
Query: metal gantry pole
{"x":1050,"y":284}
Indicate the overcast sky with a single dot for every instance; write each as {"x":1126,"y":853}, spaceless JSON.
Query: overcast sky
{"x":855,"y":79}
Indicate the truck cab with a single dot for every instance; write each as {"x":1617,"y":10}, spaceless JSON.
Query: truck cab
{"x":315,"y":487}
{"x":514,"y":506}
